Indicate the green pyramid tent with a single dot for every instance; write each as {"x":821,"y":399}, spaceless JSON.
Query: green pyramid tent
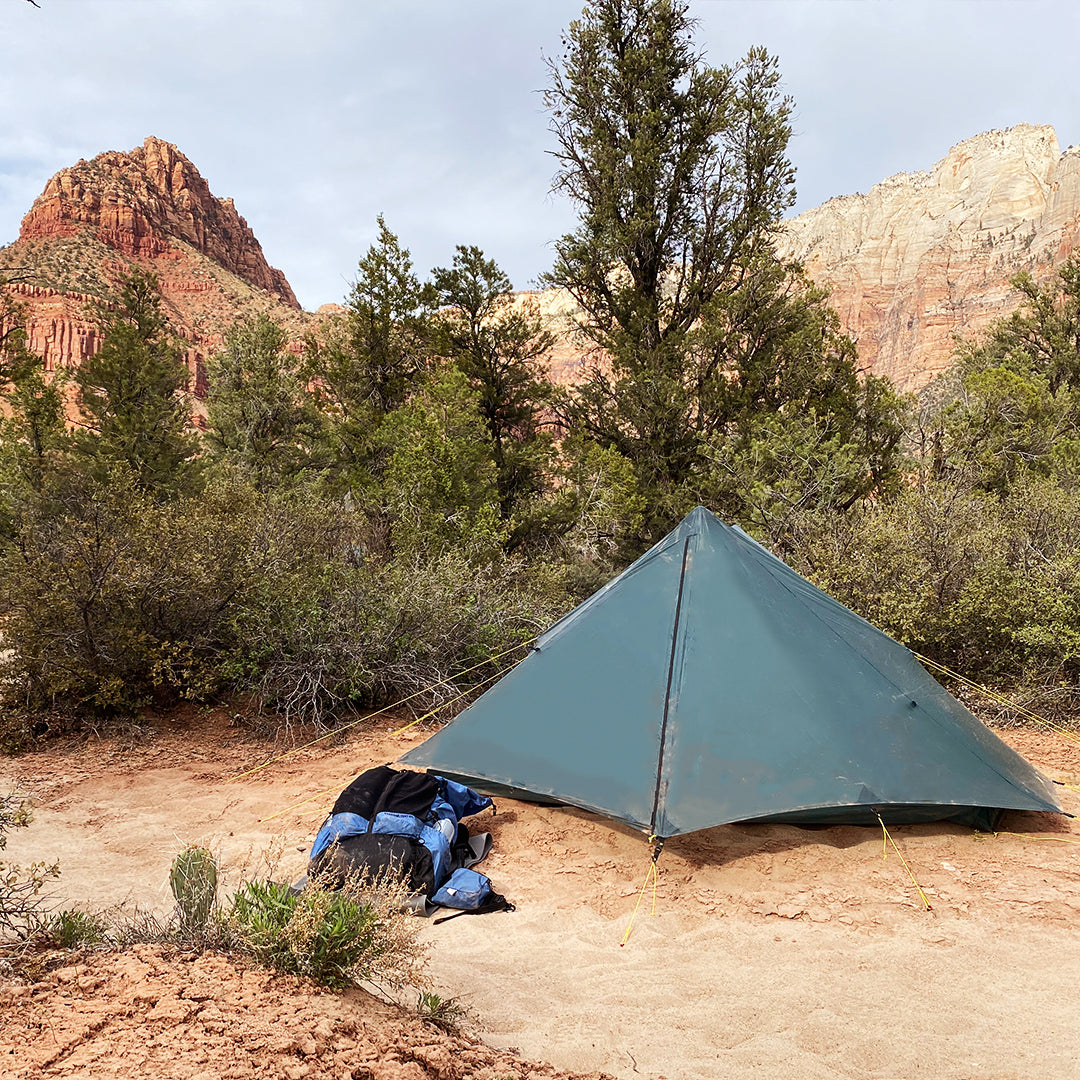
{"x":709,"y":683}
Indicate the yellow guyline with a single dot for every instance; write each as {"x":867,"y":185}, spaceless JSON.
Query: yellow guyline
{"x":886,"y":839}
{"x":387,"y":708}
{"x":993,"y":695}
{"x":652,"y":875}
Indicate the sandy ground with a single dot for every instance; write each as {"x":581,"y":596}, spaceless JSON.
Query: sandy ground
{"x":774,"y":951}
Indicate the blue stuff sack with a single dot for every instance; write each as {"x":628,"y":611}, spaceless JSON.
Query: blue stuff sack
{"x":337,"y":827}
{"x":463,"y":800}
{"x":466,"y":890}
{"x":397,"y":824}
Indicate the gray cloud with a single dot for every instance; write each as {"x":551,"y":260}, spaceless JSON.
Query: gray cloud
{"x":316,"y":115}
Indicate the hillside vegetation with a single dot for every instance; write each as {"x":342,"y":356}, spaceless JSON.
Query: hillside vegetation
{"x":392,"y":514}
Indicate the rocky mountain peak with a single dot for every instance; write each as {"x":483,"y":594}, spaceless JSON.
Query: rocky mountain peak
{"x":146,"y":204}
{"x":911,"y":264}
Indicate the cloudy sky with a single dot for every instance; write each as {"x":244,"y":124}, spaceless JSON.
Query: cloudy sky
{"x":316,"y":115}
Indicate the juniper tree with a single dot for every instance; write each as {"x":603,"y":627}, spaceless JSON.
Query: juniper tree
{"x":680,"y":175}
{"x":1011,"y":405}
{"x":133,"y":410}
{"x":497,"y":345}
{"x":34,"y":403}
{"x":364,"y":363}
{"x":260,"y":414}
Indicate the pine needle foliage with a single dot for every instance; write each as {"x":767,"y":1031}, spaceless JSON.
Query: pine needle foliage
{"x":680,"y":175}
{"x":132,"y":406}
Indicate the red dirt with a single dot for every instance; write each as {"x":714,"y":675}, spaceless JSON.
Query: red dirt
{"x":774,"y":950}
{"x":145,"y":1013}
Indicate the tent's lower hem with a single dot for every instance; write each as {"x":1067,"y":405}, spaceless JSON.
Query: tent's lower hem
{"x":982,"y":818}
{"x":497,"y":790}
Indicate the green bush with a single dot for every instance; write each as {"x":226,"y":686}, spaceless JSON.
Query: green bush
{"x":114,"y":600}
{"x":987,"y":586}
{"x":355,"y":633}
{"x":446,"y":1014}
{"x":336,"y":939}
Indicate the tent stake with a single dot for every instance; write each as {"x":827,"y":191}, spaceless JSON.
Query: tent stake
{"x":652,"y":875}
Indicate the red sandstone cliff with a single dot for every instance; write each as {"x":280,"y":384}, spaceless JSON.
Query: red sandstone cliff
{"x":919,"y":259}
{"x":151,"y":208}
{"x":141,"y":203}
{"x":923,"y":257}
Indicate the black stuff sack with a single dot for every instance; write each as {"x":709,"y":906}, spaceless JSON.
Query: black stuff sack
{"x":386,"y":789}
{"x":375,"y":854}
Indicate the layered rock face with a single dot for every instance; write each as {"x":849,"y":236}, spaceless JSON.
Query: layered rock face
{"x":150,"y":208}
{"x":58,"y":330}
{"x":926,"y":256}
{"x":141,"y":203}
{"x":919,"y":259}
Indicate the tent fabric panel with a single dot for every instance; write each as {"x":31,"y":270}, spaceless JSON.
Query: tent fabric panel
{"x":664,"y":548}
{"x":584,"y":709}
{"x":767,"y":740}
{"x":783,"y":705}
{"x":811,"y":721}
{"x":899,"y":668}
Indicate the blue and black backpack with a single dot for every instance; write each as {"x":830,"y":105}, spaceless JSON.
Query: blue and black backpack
{"x":409,"y":823}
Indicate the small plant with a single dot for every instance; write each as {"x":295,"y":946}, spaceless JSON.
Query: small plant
{"x":446,"y":1014}
{"x":20,"y":886}
{"x":193,"y":880}
{"x":76,"y":929}
{"x":337,"y":939}
{"x":316,"y":933}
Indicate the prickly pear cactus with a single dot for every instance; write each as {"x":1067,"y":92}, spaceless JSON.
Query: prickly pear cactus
{"x":193,"y":880}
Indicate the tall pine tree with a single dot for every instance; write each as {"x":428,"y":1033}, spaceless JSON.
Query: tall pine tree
{"x":680,"y":175}
{"x":497,"y":344}
{"x":363,"y":364}
{"x":260,"y":414}
{"x":133,"y":410}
